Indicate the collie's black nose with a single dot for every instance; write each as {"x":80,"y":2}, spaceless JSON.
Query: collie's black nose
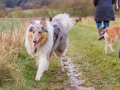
{"x":34,"y":41}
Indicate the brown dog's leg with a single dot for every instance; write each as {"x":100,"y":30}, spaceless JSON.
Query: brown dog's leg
{"x":107,"y":41}
{"x":110,"y":45}
{"x":76,"y":23}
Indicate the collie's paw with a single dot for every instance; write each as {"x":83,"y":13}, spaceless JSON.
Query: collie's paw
{"x":37,"y":79}
{"x":113,"y":51}
{"x":59,"y":65}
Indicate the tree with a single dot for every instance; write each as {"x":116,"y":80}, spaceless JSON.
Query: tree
{"x":2,"y":6}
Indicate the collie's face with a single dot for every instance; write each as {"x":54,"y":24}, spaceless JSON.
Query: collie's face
{"x":38,"y":34}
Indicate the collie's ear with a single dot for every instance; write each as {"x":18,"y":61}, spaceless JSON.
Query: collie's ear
{"x":31,"y":29}
{"x":43,"y":22}
{"x":32,"y":22}
{"x":50,"y":18}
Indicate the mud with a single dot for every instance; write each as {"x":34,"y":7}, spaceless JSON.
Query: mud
{"x":73,"y":74}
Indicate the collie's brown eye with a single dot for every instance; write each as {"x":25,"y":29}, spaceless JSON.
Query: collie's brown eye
{"x":33,"y":31}
{"x":39,"y":32}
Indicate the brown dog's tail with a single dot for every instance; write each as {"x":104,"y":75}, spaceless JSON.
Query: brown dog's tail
{"x":101,"y":29}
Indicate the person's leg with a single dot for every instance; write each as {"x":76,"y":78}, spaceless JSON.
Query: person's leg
{"x":98,"y":24}
{"x":106,"y":24}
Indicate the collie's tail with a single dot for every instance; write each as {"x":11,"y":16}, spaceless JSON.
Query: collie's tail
{"x":64,"y":19}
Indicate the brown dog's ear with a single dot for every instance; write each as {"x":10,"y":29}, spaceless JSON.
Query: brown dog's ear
{"x":43,"y":22}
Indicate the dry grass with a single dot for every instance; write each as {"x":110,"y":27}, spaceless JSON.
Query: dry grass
{"x":11,"y":43}
{"x":17,"y":68}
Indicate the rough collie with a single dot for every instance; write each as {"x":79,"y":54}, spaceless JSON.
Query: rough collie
{"x":111,"y":35}
{"x":43,"y":38}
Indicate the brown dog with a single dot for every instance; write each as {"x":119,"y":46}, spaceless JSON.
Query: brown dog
{"x":79,"y":19}
{"x":111,"y":35}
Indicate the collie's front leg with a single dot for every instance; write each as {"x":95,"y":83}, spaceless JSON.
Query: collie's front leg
{"x":42,"y":62}
{"x":60,"y":62}
{"x":46,"y":68}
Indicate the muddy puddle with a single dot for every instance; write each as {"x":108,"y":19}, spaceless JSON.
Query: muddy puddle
{"x":73,"y":75}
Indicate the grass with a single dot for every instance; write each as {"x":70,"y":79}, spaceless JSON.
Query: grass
{"x":33,"y":13}
{"x":51,"y":80}
{"x":18,"y":70}
{"x":100,"y":70}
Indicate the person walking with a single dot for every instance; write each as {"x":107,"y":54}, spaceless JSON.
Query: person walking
{"x":117,"y":5}
{"x":103,"y":14}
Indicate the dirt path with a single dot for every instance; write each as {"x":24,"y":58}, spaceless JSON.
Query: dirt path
{"x":73,"y":74}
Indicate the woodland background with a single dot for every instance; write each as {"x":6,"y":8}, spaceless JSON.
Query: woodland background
{"x":73,"y":7}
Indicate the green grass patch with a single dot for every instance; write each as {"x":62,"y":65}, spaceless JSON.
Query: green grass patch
{"x":100,"y":70}
{"x":53,"y":79}
{"x":10,"y":24}
{"x":34,"y":13}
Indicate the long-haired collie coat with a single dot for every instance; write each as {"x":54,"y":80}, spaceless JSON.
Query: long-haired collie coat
{"x":43,"y":38}
{"x":111,"y":35}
